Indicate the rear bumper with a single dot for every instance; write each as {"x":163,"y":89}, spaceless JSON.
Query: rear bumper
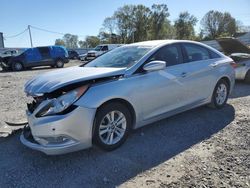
{"x":60,"y":134}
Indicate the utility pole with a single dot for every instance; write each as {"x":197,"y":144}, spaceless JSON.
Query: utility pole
{"x":1,"y":40}
{"x":31,"y":44}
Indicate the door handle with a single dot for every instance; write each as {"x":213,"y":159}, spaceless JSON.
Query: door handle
{"x":184,"y":74}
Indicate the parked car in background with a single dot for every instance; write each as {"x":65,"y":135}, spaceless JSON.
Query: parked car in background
{"x":73,"y":54}
{"x":54,"y":56}
{"x":123,"y":89}
{"x":82,"y":57}
{"x":99,"y":50}
{"x":240,"y":53}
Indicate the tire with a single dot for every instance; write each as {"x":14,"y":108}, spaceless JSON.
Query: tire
{"x":106,"y":136}
{"x":17,"y":66}
{"x":59,"y":63}
{"x":220,"y":94}
{"x":247,"y":78}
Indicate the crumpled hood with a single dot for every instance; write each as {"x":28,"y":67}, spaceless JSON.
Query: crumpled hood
{"x":50,"y":81}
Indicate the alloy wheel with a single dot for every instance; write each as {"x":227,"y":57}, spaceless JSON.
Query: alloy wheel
{"x":221,"y":94}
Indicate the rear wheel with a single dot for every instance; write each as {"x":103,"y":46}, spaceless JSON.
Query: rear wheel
{"x":247,"y":78}
{"x":59,"y":63}
{"x":220,"y":94}
{"x":112,"y":125}
{"x":17,"y":66}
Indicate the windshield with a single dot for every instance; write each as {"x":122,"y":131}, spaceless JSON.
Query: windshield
{"x":98,"y":48}
{"x":125,"y":56}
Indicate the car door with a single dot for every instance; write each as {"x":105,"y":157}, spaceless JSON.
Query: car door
{"x":32,"y":57}
{"x":197,"y":72}
{"x":163,"y":91}
{"x":46,"y":57}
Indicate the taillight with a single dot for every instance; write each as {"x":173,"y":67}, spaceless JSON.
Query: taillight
{"x":233,"y":64}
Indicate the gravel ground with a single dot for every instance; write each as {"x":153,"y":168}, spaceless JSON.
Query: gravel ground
{"x":199,"y":148}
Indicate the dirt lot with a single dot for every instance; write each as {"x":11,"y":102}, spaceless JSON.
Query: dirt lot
{"x":199,"y":148}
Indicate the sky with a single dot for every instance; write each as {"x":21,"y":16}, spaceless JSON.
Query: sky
{"x":83,"y":17}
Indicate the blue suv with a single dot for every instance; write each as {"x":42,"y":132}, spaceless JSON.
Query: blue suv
{"x":54,"y":56}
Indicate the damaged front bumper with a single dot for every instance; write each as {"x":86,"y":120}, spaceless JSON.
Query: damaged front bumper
{"x":59,"y":134}
{"x":4,"y":65}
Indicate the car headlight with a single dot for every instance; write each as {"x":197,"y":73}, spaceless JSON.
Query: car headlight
{"x":63,"y":102}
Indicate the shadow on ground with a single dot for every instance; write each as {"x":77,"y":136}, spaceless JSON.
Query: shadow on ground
{"x":241,"y":89}
{"x":144,"y":149}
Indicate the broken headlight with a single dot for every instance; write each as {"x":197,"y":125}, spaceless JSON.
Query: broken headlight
{"x":58,"y":105}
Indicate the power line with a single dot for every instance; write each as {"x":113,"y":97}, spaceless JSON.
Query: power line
{"x":45,"y":30}
{"x":49,"y":31}
{"x":13,"y":36}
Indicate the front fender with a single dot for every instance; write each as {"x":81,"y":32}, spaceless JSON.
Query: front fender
{"x":123,"y":88}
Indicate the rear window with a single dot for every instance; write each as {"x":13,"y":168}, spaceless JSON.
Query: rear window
{"x":197,"y":53}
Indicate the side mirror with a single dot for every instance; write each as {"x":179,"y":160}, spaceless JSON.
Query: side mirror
{"x":154,"y":66}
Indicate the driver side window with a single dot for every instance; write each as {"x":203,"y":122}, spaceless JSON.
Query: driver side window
{"x":171,"y":54}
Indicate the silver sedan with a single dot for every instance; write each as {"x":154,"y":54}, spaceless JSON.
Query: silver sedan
{"x":124,"y":89}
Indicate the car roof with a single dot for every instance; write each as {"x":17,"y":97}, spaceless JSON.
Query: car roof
{"x":154,"y":43}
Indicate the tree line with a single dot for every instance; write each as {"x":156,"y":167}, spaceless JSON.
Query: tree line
{"x":134,"y":23}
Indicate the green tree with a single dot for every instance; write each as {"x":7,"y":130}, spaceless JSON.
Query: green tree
{"x":124,"y":21}
{"x":216,"y":24}
{"x":158,"y":21}
{"x":229,"y":24}
{"x":83,"y":44}
{"x":71,"y":41}
{"x":59,"y":42}
{"x":184,"y":26}
{"x":109,"y":26}
{"x":141,"y":23}
{"x":92,"y":41}
{"x":106,"y":38}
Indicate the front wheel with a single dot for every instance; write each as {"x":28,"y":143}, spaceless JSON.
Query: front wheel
{"x":17,"y":66}
{"x":112,"y":124}
{"x":59,"y":63}
{"x":220,"y":94}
